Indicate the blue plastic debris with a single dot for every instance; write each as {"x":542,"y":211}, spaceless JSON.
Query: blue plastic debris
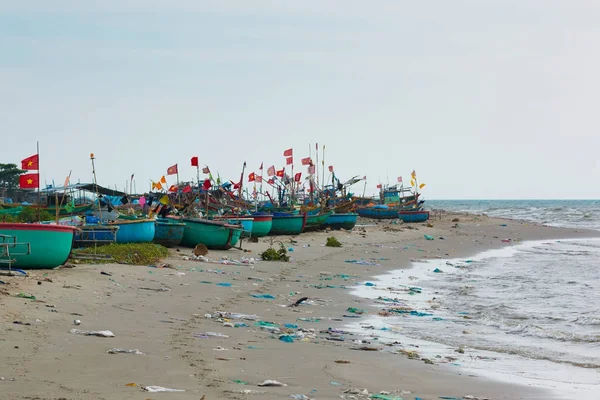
{"x":286,"y":338}
{"x":291,"y":326}
{"x":263,"y":296}
{"x":370,"y":284}
{"x":437,"y":270}
{"x":225,"y":284}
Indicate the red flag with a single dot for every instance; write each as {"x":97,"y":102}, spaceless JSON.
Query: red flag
{"x":288,"y":153}
{"x":298,"y":176}
{"x":280,"y":173}
{"x":258,"y":178}
{"x":251,"y":177}
{"x":289,"y":160}
{"x":207,"y":185}
{"x":379,"y":186}
{"x":271,"y":181}
{"x":194,"y":161}
{"x":173,"y":188}
{"x":311,"y":170}
{"x":261,"y":166}
{"x":205,"y":170}
{"x":236,"y":185}
{"x":32,"y":162}
{"x":271,"y":171}
{"x":187,"y":189}
{"x":172,"y":170}
{"x":364,"y":178}
{"x":29,"y":181}
{"x":331,"y":168}
{"x":399,"y":179}
{"x":306,"y":161}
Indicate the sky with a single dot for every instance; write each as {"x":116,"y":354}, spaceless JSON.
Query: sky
{"x":484,"y":99}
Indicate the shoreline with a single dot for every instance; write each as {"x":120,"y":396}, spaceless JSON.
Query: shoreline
{"x":163,"y":324}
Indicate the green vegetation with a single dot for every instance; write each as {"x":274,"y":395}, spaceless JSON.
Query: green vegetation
{"x":9,"y":176}
{"x":275,"y":255}
{"x":333,"y":242}
{"x":26,"y":215}
{"x":131,"y":253}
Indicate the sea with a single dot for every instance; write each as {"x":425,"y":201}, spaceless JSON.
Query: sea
{"x":527,"y":313}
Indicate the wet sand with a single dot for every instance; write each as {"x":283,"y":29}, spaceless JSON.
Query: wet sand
{"x":165,"y":312}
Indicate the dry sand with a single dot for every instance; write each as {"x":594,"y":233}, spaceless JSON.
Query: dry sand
{"x":45,"y":361}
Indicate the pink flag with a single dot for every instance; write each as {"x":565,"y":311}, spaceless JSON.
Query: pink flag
{"x":271,"y":171}
{"x":311,"y":170}
{"x":306,"y":161}
{"x":399,"y":179}
{"x":289,"y":160}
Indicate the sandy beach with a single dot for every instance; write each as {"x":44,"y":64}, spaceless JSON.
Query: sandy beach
{"x":170,"y":313}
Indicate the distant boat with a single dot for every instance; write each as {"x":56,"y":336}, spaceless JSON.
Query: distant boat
{"x":413,"y":216}
{"x":35,"y":246}
{"x":314,"y":222}
{"x":262,"y":224}
{"x":378,"y":212}
{"x":341,"y":221}
{"x":168,"y":232}
{"x":216,"y":235}
{"x":134,"y":231}
{"x":288,"y":224}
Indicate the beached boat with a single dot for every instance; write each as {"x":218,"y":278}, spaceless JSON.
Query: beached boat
{"x":378,"y":212}
{"x":134,"y":231}
{"x":168,"y":232}
{"x":213,"y":234}
{"x":87,"y":235}
{"x":288,"y":224}
{"x":35,"y":246}
{"x":247,"y":222}
{"x":344,"y":207}
{"x":341,"y":221}
{"x":413,"y":216}
{"x":262,"y":224}
{"x":314,"y":222}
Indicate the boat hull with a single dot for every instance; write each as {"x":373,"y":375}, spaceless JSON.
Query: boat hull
{"x":288,"y":224}
{"x":168,"y":232}
{"x":413,"y":216}
{"x":341,"y":221}
{"x":262,"y":225}
{"x":95,"y":234}
{"x":49,"y":245}
{"x":377,"y":213}
{"x":314,"y":222}
{"x":215,"y":235}
{"x":247,"y":223}
{"x":135,"y":231}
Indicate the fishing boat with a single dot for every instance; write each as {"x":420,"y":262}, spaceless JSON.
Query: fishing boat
{"x":314,"y":222}
{"x":262,"y":224}
{"x":168,"y":232}
{"x":413,"y":216}
{"x":378,"y":212}
{"x":288,"y":224}
{"x":87,"y":235}
{"x":217,"y":235}
{"x":344,"y":207}
{"x":35,"y":246}
{"x":134,"y":231}
{"x":246,"y":222}
{"x":341,"y":221}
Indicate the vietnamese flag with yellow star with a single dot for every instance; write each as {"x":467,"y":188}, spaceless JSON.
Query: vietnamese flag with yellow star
{"x":29,"y":181}
{"x":32,"y":162}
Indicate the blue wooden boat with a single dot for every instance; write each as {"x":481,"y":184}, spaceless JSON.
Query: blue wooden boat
{"x":134,"y":231}
{"x":91,"y":234}
{"x":413,"y":216}
{"x":314,"y":221}
{"x":288,"y":224}
{"x":341,"y":221}
{"x":378,"y":212}
{"x":168,"y":232}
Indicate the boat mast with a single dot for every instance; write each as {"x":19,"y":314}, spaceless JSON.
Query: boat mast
{"x":96,"y":184}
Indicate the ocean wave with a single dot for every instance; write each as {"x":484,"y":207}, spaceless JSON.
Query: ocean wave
{"x":522,"y":329}
{"x":587,"y":321}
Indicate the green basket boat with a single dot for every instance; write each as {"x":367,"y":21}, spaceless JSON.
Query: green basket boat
{"x":314,"y":222}
{"x":262,"y":225}
{"x":35,"y":246}
{"x":288,"y":224}
{"x":215,"y":235}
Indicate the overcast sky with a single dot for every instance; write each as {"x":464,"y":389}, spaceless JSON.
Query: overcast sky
{"x":483,"y":98}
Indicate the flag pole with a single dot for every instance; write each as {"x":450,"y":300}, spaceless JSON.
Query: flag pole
{"x":38,"y":186}
{"x":96,"y":184}
{"x":178,"y":192}
{"x":317,"y":165}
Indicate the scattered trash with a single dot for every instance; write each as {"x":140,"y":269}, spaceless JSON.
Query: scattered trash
{"x":25,"y":296}
{"x":299,"y":301}
{"x":299,"y":397}
{"x":225,"y":284}
{"x":77,"y":322}
{"x":160,"y":389}
{"x":240,"y":382}
{"x":133,"y":384}
{"x":125,"y":351}
{"x":370,"y":284}
{"x":286,"y":338}
{"x":291,"y":326}
{"x":92,"y":333}
{"x":263,"y":296}
{"x":105,"y":273}
{"x":356,"y":310}
{"x":437,"y":271}
{"x":363,"y":262}
{"x":160,"y":289}
{"x":271,"y":383}
{"x":342,"y":362}
{"x":205,"y":335}
{"x":385,"y":397}
{"x":21,"y":323}
{"x":428,"y":237}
